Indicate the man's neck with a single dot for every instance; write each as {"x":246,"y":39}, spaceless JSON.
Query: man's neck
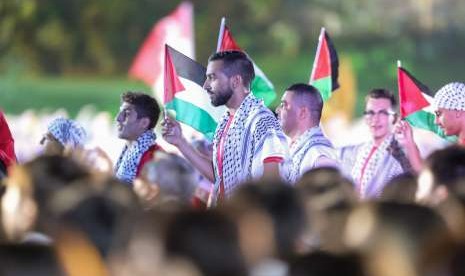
{"x":133,"y":140}
{"x":236,"y":100}
{"x":301,"y":130}
{"x":379,"y":141}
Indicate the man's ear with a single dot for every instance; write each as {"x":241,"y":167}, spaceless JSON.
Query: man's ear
{"x":235,"y":81}
{"x":144,"y":122}
{"x":303,"y":112}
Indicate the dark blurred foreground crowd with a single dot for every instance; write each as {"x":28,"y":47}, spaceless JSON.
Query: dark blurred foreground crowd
{"x":63,"y":216}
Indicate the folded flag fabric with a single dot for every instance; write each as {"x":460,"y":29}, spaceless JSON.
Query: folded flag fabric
{"x":184,"y":94}
{"x":415,"y":103}
{"x":261,"y":86}
{"x":325,"y":69}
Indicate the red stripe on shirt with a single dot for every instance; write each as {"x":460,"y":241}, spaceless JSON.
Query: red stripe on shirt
{"x":373,"y":149}
{"x":219,"y":156}
{"x":273,"y":159}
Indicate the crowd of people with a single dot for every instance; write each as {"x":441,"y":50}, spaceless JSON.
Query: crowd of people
{"x":270,"y":195}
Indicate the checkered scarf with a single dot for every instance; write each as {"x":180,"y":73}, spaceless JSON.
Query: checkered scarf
{"x":251,"y":126}
{"x":67,"y":132}
{"x":451,"y":96}
{"x":128,"y":161}
{"x":312,"y":138}
{"x":380,"y":168}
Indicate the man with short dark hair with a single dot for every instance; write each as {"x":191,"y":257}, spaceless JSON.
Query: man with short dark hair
{"x":372,"y":164}
{"x":248,"y":141}
{"x":299,"y":114}
{"x":138,"y":115}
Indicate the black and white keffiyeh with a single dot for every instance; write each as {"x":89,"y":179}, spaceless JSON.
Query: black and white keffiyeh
{"x":67,"y":132}
{"x":379,"y":169}
{"x":312,"y":142}
{"x":253,"y":135}
{"x":451,"y":96}
{"x":128,"y":161}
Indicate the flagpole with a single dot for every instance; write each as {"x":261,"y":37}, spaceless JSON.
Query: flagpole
{"x":165,"y":113}
{"x":315,"y":61}
{"x":400,"y":88}
{"x":220,"y":34}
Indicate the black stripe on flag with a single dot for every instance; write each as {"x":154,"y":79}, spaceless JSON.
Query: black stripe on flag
{"x":187,"y":68}
{"x":423,"y":88}
{"x":334,"y":62}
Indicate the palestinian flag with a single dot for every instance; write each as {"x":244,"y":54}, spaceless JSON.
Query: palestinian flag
{"x":261,"y":87}
{"x":325,"y":67}
{"x":416,"y":103}
{"x":183,"y":93}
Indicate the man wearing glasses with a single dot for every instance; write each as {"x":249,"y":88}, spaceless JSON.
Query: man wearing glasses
{"x":372,"y":164}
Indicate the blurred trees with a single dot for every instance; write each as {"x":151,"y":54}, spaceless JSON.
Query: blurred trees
{"x":85,"y":36}
{"x":75,"y":36}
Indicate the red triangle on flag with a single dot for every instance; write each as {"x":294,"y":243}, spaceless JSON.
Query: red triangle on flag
{"x":323,"y":64}
{"x":410,"y":94}
{"x":171,"y":79}
{"x":228,"y":42}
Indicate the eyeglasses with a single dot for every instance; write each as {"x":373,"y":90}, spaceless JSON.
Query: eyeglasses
{"x":383,"y":112}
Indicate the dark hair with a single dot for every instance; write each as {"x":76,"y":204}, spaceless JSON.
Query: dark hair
{"x":327,"y":183}
{"x":400,"y":188}
{"x":51,"y":173}
{"x":236,"y":63}
{"x":29,"y":259}
{"x":381,"y":93}
{"x":309,"y":96}
{"x":208,"y":239}
{"x":3,"y":170}
{"x":97,"y":213}
{"x":281,"y":203}
{"x":146,"y":106}
{"x":320,"y":263}
{"x":448,"y":166}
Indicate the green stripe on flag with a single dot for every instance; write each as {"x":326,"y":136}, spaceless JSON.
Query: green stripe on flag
{"x":324,"y":85}
{"x":262,"y":87}
{"x":194,"y":116}
{"x":425,"y":120}
{"x":262,"y":90}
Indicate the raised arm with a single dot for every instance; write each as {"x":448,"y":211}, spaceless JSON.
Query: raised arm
{"x":172,"y":133}
{"x":404,"y":135}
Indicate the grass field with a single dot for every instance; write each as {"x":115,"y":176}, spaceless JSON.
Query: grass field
{"x":47,"y":94}
{"x":373,"y":67}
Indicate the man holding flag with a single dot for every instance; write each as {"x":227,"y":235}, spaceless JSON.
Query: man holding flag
{"x":248,"y":142}
{"x":443,"y":115}
{"x":372,"y":164}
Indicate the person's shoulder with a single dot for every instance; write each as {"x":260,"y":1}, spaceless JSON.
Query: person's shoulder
{"x":349,"y":149}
